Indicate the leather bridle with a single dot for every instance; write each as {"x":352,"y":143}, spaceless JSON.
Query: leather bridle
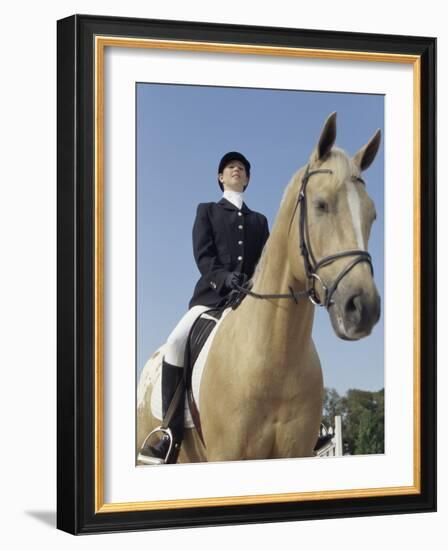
{"x":311,"y":265}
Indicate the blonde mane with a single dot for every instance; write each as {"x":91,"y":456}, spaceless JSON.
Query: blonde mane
{"x":292,"y":190}
{"x":342,"y":167}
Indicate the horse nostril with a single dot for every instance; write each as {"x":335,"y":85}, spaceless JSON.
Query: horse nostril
{"x":358,"y":313}
{"x":353,"y":304}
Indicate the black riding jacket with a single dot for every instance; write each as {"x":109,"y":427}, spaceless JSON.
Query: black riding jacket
{"x":225,"y":239}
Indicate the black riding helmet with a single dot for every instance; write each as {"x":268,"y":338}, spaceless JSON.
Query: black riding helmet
{"x":228,"y":157}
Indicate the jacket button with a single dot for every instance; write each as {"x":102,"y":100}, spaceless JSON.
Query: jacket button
{"x":240,"y":227}
{"x":240,"y":258}
{"x":213,"y":284}
{"x":239,"y":214}
{"x":240,"y":242}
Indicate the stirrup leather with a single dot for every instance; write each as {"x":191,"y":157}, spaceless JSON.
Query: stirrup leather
{"x":147,"y":458}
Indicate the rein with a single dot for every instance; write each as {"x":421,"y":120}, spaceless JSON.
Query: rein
{"x":311,"y":266}
{"x":294,"y":295}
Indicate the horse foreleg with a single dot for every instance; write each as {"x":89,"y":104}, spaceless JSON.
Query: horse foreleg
{"x":233,"y":437}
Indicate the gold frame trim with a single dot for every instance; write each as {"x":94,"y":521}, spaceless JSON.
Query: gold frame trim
{"x":101,"y":42}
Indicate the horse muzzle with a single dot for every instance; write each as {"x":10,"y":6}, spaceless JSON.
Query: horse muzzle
{"x":354,"y":313}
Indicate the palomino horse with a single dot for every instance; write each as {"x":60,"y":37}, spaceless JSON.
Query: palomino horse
{"x":261,"y":396}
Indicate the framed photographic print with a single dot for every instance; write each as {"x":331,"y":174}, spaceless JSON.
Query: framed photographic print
{"x":246,"y":274}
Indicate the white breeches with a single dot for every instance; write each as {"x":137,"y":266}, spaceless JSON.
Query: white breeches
{"x":177,"y":340}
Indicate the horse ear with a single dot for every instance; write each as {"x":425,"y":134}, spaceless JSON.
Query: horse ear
{"x":366,"y":155}
{"x":327,"y":137}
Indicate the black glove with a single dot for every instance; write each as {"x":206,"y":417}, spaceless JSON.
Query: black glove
{"x":233,"y":279}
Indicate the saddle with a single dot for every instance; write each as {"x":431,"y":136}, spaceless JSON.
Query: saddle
{"x":197,"y":337}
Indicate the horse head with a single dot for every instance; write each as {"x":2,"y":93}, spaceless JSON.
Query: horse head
{"x":330,"y":229}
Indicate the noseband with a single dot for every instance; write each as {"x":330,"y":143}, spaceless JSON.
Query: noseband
{"x":311,"y":266}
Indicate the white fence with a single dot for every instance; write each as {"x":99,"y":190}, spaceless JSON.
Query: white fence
{"x":330,"y":439}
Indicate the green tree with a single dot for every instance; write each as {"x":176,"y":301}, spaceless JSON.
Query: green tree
{"x":332,"y":406}
{"x":370,"y":438}
{"x":362,"y":414}
{"x":363,"y":423}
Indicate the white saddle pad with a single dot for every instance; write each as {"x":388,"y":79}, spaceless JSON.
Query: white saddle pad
{"x":152,"y":371}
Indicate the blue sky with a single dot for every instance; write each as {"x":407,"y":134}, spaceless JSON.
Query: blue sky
{"x":182,"y":132}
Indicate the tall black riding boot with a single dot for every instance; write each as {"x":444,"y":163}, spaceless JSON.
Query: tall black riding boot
{"x":170,"y":434}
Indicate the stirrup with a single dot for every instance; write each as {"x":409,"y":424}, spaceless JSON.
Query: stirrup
{"x":149,"y":459}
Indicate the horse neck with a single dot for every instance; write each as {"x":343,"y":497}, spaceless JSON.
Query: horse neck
{"x":286,"y":322}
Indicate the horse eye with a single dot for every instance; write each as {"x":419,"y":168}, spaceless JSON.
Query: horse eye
{"x":321,"y":205}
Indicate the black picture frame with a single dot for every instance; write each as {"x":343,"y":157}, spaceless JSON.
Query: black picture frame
{"x":79,"y":509}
